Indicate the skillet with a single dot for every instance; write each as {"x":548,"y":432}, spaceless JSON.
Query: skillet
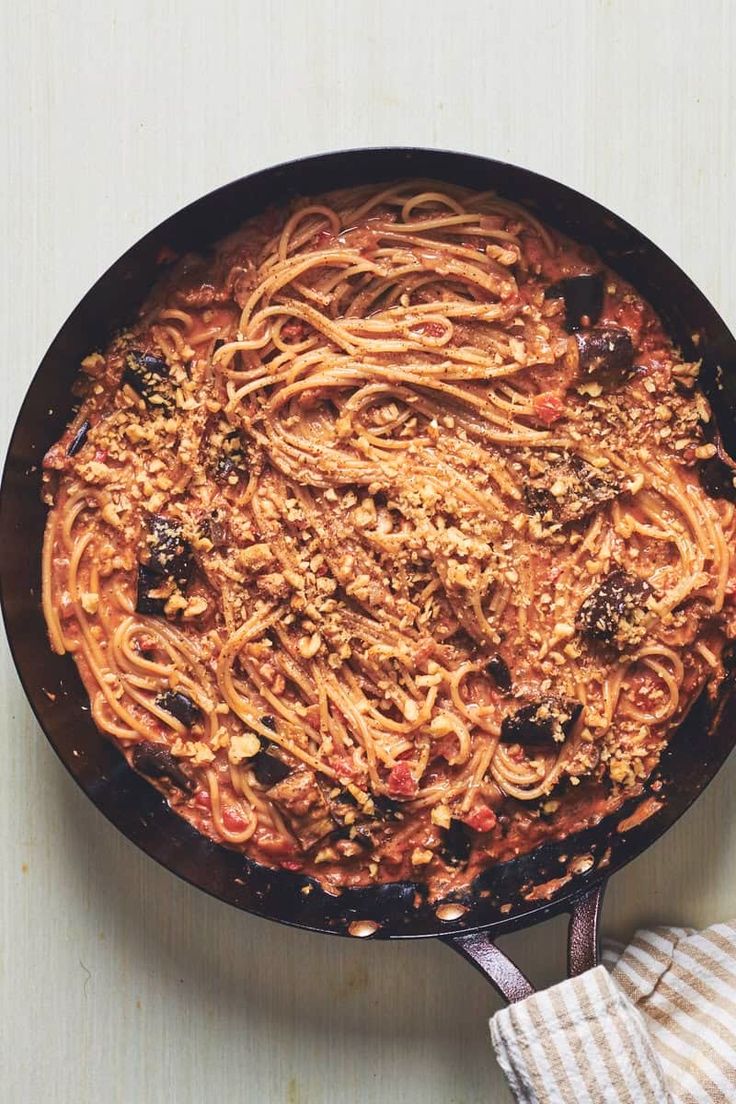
{"x":510,"y":896}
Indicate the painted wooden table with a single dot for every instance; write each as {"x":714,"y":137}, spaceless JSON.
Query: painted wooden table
{"x":117,"y":982}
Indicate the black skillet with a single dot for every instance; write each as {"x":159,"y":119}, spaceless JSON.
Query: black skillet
{"x":503,"y":900}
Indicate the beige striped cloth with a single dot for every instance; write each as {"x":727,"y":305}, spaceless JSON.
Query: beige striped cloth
{"x":655,"y":1025}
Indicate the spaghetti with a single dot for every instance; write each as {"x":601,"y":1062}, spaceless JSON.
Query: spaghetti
{"x":382,"y":539}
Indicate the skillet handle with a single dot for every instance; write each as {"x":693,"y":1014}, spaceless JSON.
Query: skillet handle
{"x":583,"y":949}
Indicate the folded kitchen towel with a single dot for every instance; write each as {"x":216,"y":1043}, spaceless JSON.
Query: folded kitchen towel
{"x":660,"y":1027}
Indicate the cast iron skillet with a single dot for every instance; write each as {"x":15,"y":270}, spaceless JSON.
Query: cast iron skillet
{"x":504,"y":899}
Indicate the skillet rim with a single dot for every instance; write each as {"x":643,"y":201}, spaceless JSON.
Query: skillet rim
{"x":98,"y":791}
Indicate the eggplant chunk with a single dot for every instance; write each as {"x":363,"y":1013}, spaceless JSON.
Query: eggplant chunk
{"x":153,"y":592}
{"x":156,"y":761}
{"x":179,"y":705}
{"x":455,"y":843}
{"x":167,"y":568}
{"x":571,"y":490}
{"x":362,"y":811}
{"x":169,"y":553}
{"x":268,"y":769}
{"x":718,"y":478}
{"x":343,"y":807}
{"x":387,"y":809}
{"x":718,"y":474}
{"x":548,"y":718}
{"x":583,"y":297}
{"x":614,"y":612}
{"x":303,"y":805}
{"x":230,"y":459}
{"x":78,"y":440}
{"x":606,"y":353}
{"x":498,"y":669}
{"x":146,"y":374}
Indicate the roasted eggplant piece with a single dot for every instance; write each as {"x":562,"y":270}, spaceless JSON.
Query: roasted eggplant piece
{"x":498,"y":669}
{"x":268,"y":769}
{"x":357,"y":813}
{"x":149,"y":600}
{"x":146,"y":374}
{"x":179,"y":705}
{"x":455,"y":843}
{"x":344,"y":807}
{"x":346,"y":810}
{"x":230,"y":459}
{"x":387,"y":809}
{"x":78,"y":440}
{"x":357,"y":833}
{"x":547,"y":718}
{"x":169,"y":553}
{"x":156,"y":761}
{"x":615,"y":611}
{"x":571,"y":490}
{"x":168,"y":566}
{"x":717,"y":473}
{"x":606,"y":354}
{"x":718,"y":477}
{"x":583,"y":297}
{"x":303,"y":805}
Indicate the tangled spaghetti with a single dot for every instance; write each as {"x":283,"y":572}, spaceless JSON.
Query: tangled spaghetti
{"x":381,"y":539}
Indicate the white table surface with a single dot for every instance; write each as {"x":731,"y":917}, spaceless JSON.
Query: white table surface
{"x":119,"y":983}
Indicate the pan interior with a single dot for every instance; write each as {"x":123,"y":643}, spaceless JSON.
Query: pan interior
{"x":508,"y":895}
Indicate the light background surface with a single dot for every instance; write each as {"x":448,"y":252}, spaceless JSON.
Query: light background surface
{"x":119,"y":984}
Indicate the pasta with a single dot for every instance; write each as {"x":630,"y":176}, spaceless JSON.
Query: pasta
{"x":392,"y":538}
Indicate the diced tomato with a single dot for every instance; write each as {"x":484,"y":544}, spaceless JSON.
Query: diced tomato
{"x":202,"y":798}
{"x":548,"y":407}
{"x":291,"y":864}
{"x":342,"y":766}
{"x":481,"y":819}
{"x":401,"y":782}
{"x":233,"y":820}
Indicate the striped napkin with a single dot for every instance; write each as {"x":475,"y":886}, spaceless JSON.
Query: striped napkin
{"x":656,"y":1024}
